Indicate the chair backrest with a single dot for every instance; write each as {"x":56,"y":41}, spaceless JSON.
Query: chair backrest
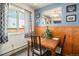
{"x":36,"y":43}
{"x":62,"y":46}
{"x":64,"y":39}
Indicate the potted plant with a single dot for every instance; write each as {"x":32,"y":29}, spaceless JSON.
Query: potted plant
{"x":47,"y":34}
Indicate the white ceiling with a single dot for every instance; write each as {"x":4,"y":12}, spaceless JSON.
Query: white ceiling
{"x":37,"y":5}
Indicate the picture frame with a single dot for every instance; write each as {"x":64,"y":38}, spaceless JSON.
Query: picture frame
{"x":70,"y":18}
{"x":38,"y":15}
{"x":71,"y":8}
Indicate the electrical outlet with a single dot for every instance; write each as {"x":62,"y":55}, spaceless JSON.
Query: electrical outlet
{"x":12,"y":46}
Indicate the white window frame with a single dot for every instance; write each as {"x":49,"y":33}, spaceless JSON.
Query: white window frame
{"x":18,"y":9}
{"x":13,"y":7}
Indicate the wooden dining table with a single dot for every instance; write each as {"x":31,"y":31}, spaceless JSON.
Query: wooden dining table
{"x":50,"y":44}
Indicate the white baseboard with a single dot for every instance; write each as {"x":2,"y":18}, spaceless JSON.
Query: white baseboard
{"x":13,"y":51}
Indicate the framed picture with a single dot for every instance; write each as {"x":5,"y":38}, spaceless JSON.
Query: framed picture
{"x":71,"y":8}
{"x":38,"y":15}
{"x":71,"y":18}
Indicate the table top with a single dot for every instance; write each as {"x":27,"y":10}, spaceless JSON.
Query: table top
{"x":50,"y":43}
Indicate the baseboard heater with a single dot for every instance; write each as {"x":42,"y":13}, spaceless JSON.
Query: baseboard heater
{"x":14,"y":51}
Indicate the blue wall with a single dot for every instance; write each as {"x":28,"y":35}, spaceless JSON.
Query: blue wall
{"x":64,"y":14}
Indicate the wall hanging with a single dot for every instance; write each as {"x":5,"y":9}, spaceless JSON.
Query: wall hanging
{"x":71,"y":8}
{"x":55,"y":15}
{"x":70,"y":18}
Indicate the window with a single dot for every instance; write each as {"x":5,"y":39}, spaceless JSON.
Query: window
{"x":15,"y":21}
{"x":18,"y":20}
{"x":12,"y":24}
{"x":21,"y":21}
{"x":28,"y":22}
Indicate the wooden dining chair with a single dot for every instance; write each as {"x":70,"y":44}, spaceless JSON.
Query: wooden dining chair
{"x":37,"y":49}
{"x":59,"y":49}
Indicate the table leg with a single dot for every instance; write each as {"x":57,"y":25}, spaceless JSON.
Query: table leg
{"x":52,"y":52}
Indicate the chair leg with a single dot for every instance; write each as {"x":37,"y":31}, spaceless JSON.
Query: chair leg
{"x":32,"y":53}
{"x":28,"y":52}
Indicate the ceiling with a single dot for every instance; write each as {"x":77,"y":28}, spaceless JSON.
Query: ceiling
{"x":37,"y":5}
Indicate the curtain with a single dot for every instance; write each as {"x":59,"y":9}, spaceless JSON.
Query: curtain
{"x":3,"y":22}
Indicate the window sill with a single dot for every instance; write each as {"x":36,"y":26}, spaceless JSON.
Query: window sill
{"x":16,"y":33}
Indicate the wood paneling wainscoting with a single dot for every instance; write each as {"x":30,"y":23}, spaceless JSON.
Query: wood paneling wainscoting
{"x":71,"y":46}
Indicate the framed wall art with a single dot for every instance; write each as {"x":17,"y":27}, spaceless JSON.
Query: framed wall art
{"x":70,"y":18}
{"x":38,"y":15}
{"x":71,"y":8}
